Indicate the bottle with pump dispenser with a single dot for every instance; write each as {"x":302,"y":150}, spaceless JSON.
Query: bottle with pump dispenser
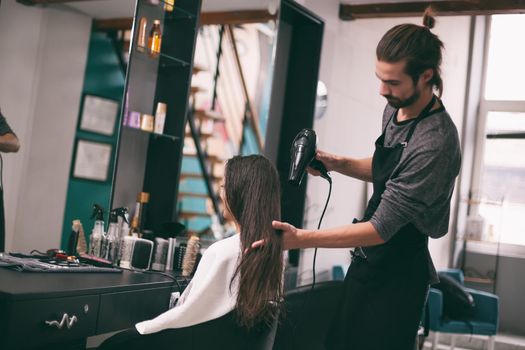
{"x":97,"y":234}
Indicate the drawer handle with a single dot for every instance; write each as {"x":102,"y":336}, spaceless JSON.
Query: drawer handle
{"x":66,"y":320}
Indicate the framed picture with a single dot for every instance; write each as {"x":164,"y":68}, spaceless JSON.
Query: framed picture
{"x":99,"y":115}
{"x":92,"y":160}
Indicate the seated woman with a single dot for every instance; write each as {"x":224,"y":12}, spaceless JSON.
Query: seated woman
{"x":232,"y":281}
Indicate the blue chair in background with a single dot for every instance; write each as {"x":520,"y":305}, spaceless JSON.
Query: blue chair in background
{"x":339,"y":272}
{"x":485,"y":320}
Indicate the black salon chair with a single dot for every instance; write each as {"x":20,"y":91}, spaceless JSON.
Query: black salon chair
{"x":221,"y":333}
{"x":307,"y":316}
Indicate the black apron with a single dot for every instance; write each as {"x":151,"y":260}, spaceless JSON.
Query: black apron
{"x":386,"y":285}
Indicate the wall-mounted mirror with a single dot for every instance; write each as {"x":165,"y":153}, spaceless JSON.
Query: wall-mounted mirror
{"x":63,"y":83}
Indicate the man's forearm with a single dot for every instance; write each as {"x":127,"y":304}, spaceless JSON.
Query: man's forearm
{"x":355,"y":235}
{"x":358,"y":168}
{"x":9,"y":143}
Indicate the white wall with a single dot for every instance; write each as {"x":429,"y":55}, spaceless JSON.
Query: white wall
{"x":353,"y":118}
{"x":42,"y":64}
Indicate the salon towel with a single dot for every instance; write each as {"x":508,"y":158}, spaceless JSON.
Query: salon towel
{"x":208,"y":296}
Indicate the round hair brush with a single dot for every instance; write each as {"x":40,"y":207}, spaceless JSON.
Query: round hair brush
{"x":192,"y":249}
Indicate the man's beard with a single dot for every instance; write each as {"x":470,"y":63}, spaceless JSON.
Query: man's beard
{"x":398,"y":103}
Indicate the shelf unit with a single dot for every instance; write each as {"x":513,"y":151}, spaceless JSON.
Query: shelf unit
{"x":148,"y":161}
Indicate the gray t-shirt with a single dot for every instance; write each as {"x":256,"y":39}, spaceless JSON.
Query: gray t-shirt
{"x":420,"y":187}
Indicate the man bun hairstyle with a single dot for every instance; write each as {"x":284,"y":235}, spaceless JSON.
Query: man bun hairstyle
{"x":417,"y":46}
{"x":428,"y":18}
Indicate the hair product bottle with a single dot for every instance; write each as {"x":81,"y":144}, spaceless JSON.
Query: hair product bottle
{"x":160,"y":118}
{"x":144,"y":200}
{"x":95,"y":241}
{"x":112,"y":238}
{"x":168,"y":5}
{"x":141,"y":37}
{"x":155,"y":38}
{"x":139,"y":217}
{"x":160,"y":255}
{"x":81,"y":244}
{"x":133,"y":120}
{"x":147,"y":122}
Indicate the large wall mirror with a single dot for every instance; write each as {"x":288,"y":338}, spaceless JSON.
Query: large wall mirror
{"x":63,"y":71}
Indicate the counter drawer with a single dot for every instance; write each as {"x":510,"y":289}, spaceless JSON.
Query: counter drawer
{"x":68,"y":318}
{"x":123,"y":310}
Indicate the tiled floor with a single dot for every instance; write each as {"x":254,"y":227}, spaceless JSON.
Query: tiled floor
{"x":467,"y":342}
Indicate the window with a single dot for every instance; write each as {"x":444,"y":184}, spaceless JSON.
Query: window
{"x":505,"y":69}
{"x":501,"y":157}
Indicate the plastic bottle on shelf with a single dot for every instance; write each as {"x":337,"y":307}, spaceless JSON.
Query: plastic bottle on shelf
{"x":160,"y":118}
{"x":155,"y":38}
{"x":147,"y":122}
{"x":169,"y":5}
{"x":141,"y":37}
{"x":475,"y":226}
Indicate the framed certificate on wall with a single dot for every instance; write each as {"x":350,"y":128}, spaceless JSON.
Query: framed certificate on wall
{"x":92,"y":160}
{"x":98,"y":115}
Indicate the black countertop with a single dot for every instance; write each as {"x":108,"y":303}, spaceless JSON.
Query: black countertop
{"x":15,"y":285}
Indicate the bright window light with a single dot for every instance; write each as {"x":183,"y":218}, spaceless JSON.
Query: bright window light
{"x":506,"y":57}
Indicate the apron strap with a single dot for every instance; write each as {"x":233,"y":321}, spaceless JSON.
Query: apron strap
{"x":421,"y":115}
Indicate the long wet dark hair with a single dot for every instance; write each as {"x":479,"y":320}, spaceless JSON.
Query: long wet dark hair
{"x":252,"y":195}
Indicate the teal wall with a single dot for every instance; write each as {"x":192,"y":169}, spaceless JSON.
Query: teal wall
{"x":103,"y":77}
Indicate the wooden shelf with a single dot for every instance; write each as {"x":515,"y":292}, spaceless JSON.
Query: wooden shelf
{"x":203,"y":136}
{"x":208,"y":115}
{"x":194,"y":195}
{"x":479,"y":280}
{"x":192,"y":214}
{"x":184,"y":176}
{"x":197,"y":69}
{"x":196,"y":89}
{"x":210,"y":158}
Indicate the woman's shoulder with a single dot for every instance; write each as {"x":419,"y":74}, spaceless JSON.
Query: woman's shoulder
{"x":226,"y":247}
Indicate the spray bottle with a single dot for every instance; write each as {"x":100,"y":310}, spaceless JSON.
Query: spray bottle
{"x":126,"y":243}
{"x":118,"y":218}
{"x":97,"y":234}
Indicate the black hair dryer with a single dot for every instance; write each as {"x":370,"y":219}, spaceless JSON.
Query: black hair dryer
{"x":302,"y":155}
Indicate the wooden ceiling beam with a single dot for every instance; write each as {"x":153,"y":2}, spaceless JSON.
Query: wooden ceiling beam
{"x":113,"y":24}
{"x":207,"y":18}
{"x":45,"y":2}
{"x":236,"y":17}
{"x":443,"y":8}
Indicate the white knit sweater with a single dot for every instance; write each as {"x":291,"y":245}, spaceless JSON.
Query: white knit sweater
{"x":208,"y":296}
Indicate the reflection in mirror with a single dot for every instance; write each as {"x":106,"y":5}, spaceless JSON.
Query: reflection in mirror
{"x":62,"y":88}
{"x":231,"y":88}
